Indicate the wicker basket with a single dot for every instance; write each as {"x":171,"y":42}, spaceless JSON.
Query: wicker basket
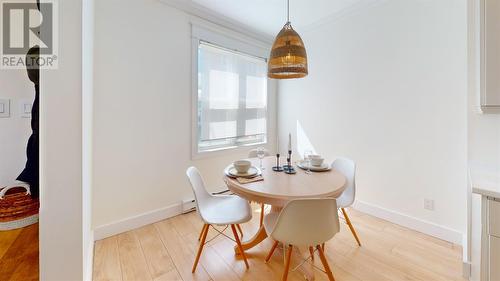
{"x":17,"y":208}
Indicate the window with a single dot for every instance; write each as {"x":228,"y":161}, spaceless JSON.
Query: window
{"x":232,"y":98}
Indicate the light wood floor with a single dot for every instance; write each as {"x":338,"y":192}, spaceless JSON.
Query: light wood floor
{"x":19,"y":254}
{"x":166,"y":250}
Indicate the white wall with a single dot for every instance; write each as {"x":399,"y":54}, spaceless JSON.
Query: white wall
{"x":142,"y":111}
{"x":61,"y":216}
{"x":14,"y":131}
{"x":387,"y":88}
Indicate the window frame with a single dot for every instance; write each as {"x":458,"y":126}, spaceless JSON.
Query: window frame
{"x":233,"y":42}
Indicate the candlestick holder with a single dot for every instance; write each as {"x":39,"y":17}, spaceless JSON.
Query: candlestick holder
{"x":288,"y":168}
{"x":278,"y":168}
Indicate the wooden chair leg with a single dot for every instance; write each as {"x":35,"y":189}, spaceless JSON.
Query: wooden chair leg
{"x":272,"y":251}
{"x":202,"y":231}
{"x":202,"y":243}
{"x":325,"y":263}
{"x":239,"y":229}
{"x":311,"y":252}
{"x":261,"y":214}
{"x":233,"y":228}
{"x":348,"y":221}
{"x":287,"y":263}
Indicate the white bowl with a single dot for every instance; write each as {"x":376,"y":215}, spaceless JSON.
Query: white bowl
{"x":316,"y":160}
{"x":242,"y":166}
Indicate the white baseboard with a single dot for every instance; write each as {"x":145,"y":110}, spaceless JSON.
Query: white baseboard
{"x":466,"y":270}
{"x":423,"y":226}
{"x":134,"y":222}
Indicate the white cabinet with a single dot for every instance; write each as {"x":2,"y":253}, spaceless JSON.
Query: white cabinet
{"x":490,"y":56}
{"x":494,"y":218}
{"x":490,"y":245}
{"x":494,"y":258}
{"x":484,"y":227}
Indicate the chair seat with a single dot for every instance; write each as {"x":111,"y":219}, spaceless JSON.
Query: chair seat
{"x":270,"y":222}
{"x":343,"y":202}
{"x":226,"y":209}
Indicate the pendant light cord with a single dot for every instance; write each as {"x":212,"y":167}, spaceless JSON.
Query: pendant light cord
{"x":288,"y":11}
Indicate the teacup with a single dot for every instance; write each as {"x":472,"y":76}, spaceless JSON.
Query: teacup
{"x":316,"y":160}
{"x":242,"y":166}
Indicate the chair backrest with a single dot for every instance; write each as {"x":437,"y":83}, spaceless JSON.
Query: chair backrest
{"x":307,"y":222}
{"x":253,"y":153}
{"x":348,"y":168}
{"x":201,"y":195}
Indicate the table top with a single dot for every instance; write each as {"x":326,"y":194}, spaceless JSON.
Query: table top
{"x":278,"y":188}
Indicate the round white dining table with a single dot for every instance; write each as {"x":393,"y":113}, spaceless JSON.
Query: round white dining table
{"x":278,"y":188}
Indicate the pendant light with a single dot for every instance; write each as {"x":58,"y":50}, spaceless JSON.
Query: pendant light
{"x":288,"y":58}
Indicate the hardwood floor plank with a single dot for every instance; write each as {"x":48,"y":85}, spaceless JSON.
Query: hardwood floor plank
{"x":28,"y":268}
{"x":107,"y":260}
{"x":439,"y":247}
{"x":376,"y":246}
{"x":183,"y":226}
{"x":181,"y":254}
{"x":132,"y":259}
{"x":20,"y":261}
{"x":450,"y":270}
{"x":171,"y":275}
{"x":341,"y":274}
{"x":6,"y":240}
{"x":216,"y":267}
{"x":157,"y":257}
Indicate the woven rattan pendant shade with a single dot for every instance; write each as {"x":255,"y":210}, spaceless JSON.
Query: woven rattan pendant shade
{"x":288,"y":57}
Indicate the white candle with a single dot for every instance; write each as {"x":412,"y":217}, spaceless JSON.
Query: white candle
{"x":289,"y":142}
{"x":277,"y":145}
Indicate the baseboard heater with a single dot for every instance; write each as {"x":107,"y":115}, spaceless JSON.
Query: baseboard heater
{"x":189,"y":205}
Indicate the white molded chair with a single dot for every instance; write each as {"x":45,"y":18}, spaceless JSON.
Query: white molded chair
{"x":348,"y":168}
{"x":304,"y":222}
{"x":229,"y":210}
{"x":253,"y":154}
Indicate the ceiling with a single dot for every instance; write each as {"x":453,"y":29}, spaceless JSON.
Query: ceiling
{"x":269,"y":16}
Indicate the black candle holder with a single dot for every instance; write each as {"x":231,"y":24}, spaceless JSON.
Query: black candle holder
{"x":288,"y":168}
{"x":278,"y":168}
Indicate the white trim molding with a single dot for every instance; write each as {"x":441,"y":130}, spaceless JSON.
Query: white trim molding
{"x":90,"y":258}
{"x":199,"y":11}
{"x":466,"y":270}
{"x":137,"y":221}
{"x":419,"y":225}
{"x":349,"y":10}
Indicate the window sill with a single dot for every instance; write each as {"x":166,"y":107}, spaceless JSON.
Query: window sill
{"x":225,"y":151}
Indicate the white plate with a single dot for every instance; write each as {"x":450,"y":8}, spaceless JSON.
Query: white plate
{"x":231,"y":171}
{"x":324,"y":167}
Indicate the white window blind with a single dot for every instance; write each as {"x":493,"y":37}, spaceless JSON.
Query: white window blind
{"x":232,"y":98}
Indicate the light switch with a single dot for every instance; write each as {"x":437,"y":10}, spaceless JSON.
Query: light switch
{"x":4,"y":108}
{"x":25,"y":108}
